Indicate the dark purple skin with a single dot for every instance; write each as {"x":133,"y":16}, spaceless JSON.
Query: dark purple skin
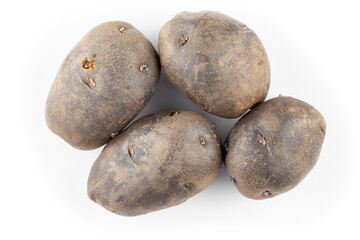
{"x":273,"y":147}
{"x":103,"y":83}
{"x":159,"y":161}
{"x":217,"y":61}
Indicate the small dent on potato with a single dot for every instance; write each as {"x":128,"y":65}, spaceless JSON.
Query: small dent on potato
{"x":173,"y":114}
{"x":202,"y":141}
{"x":233,"y":180}
{"x":89,"y":82}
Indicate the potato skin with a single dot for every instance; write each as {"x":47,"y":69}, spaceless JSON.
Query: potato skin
{"x":217,"y":61}
{"x":274,"y":146}
{"x":159,"y":161}
{"x":103,"y":83}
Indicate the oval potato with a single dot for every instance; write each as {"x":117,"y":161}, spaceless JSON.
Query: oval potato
{"x":217,"y":61}
{"x":274,"y":146}
{"x":160,"y":161}
{"x":103,"y":83}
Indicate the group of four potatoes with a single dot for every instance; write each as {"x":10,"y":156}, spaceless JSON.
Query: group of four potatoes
{"x":165,"y":158}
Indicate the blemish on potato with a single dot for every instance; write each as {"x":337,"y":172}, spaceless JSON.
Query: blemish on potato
{"x":242,"y":26}
{"x":189,"y":186}
{"x":92,"y":82}
{"x":263,"y":141}
{"x":92,"y":197}
{"x":88,"y":64}
{"x":202,"y":141}
{"x":161,"y":170}
{"x":233,"y":180}
{"x":226,"y":146}
{"x":183,"y":40}
{"x":114,"y":134}
{"x":267,"y":193}
{"x":261,"y":62}
{"x":89,"y":82}
{"x":131,"y":153}
{"x":321,"y":132}
{"x":121,"y":29}
{"x":173,"y":114}
{"x":143,"y":68}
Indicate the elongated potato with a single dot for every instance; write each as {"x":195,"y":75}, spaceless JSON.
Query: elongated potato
{"x":159,"y":161}
{"x":274,"y":146}
{"x":103,"y":83}
{"x":217,"y":61}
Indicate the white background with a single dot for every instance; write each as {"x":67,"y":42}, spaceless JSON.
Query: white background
{"x":314,"y":53}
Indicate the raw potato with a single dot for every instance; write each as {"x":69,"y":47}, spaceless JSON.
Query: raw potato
{"x":217,"y":61}
{"x":159,"y":161}
{"x":274,"y":146}
{"x":103,"y":83}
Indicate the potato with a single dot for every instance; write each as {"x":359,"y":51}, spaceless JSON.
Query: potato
{"x":159,"y":161}
{"x":274,"y":146}
{"x":103,"y":83}
{"x":217,"y":61}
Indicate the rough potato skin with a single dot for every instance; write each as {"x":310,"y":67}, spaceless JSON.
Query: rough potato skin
{"x":103,"y":83}
{"x":217,"y":61}
{"x":274,"y":146}
{"x":159,"y":161}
